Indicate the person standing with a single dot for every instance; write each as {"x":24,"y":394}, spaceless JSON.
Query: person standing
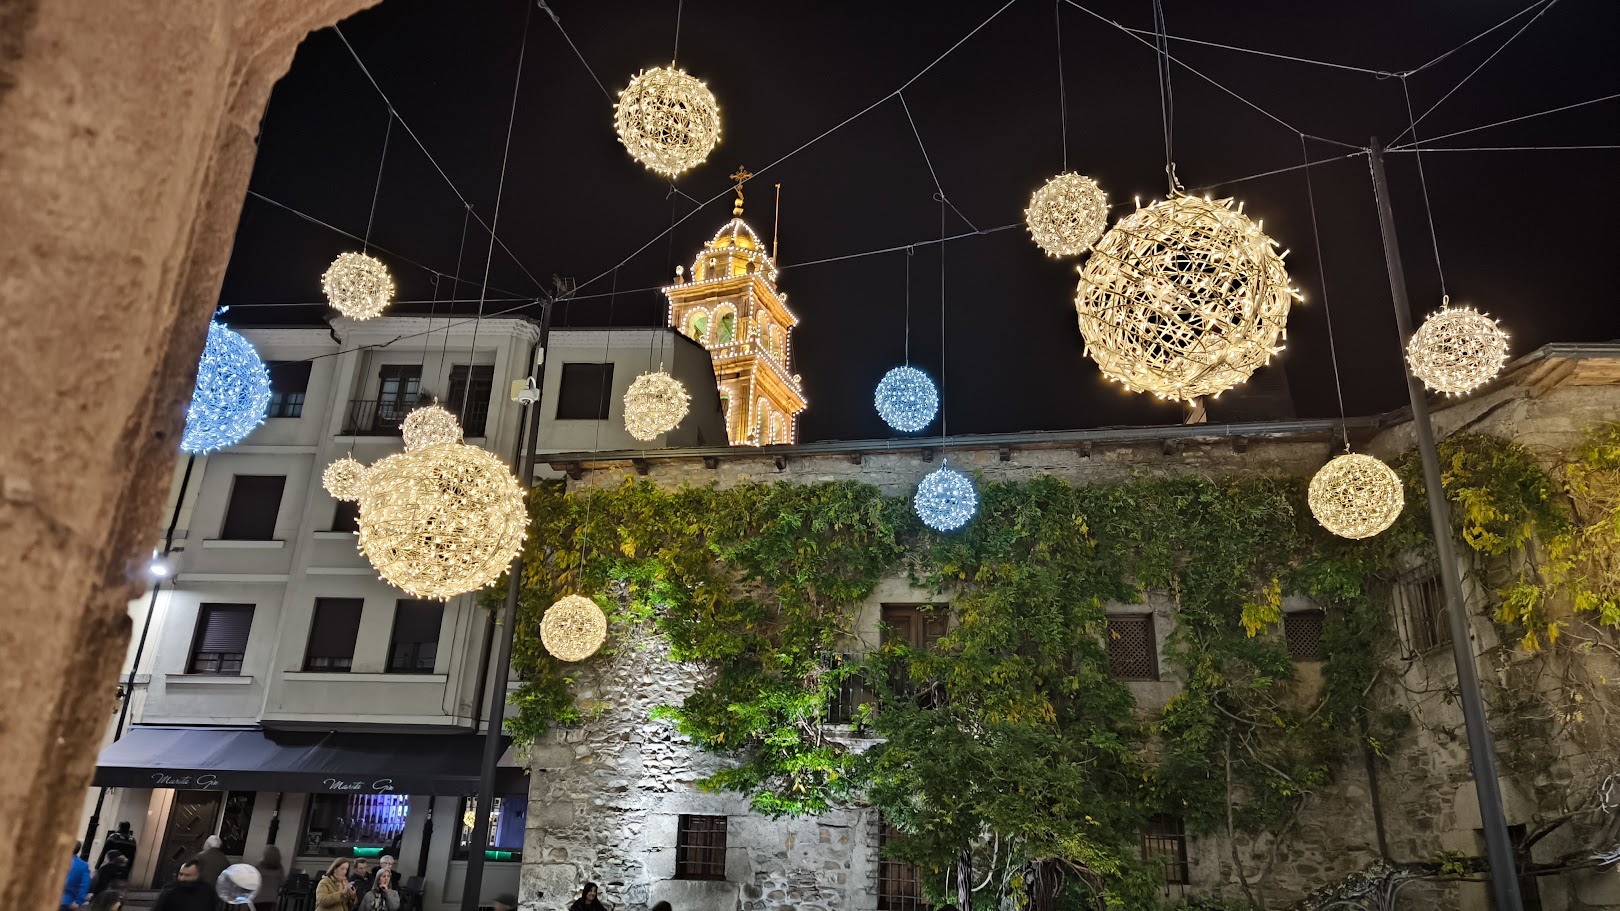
{"x":362,"y":875}
{"x":77,"y":888}
{"x":335,"y":892}
{"x":381,"y":896}
{"x":589,"y":900}
{"x":212,"y":861}
{"x":108,"y":874}
{"x":188,"y":892}
{"x":271,"y":878}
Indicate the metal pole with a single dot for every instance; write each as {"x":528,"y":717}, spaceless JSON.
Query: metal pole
{"x":472,"y":886}
{"x":1481,"y":745}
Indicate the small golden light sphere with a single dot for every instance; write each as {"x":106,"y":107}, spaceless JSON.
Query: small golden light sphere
{"x":429,"y":425}
{"x":358,"y":286}
{"x":344,"y":479}
{"x":667,"y":120}
{"x":1456,"y":350}
{"x":655,"y":403}
{"x":573,"y":628}
{"x":1356,"y":496}
{"x":1067,"y":214}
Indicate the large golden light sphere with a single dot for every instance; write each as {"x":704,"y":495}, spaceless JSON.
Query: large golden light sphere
{"x":1067,"y":214}
{"x":573,"y":628}
{"x":441,"y":520}
{"x":655,"y":403}
{"x":667,"y":120}
{"x":1356,"y":496}
{"x":344,"y":479}
{"x":358,"y":286}
{"x":1456,"y":350}
{"x":429,"y":425}
{"x":1183,"y":298}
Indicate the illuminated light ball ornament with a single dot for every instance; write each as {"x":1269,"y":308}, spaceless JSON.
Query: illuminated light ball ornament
{"x":573,"y":628}
{"x":238,"y":885}
{"x":345,"y":479}
{"x":429,"y":425}
{"x":906,"y":399}
{"x":1457,"y":349}
{"x":945,"y":499}
{"x":655,"y":403}
{"x":442,"y":520}
{"x":232,"y":393}
{"x":358,"y":286}
{"x":1356,"y":496}
{"x":667,"y":120}
{"x":1185,"y":297}
{"x":1067,"y":214}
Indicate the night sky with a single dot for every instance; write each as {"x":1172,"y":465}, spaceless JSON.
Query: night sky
{"x":1524,"y":235}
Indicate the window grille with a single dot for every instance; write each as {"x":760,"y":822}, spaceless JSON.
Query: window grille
{"x":1165,"y":841}
{"x":1303,"y":632}
{"x":1420,"y":609}
{"x":899,"y":884}
{"x":700,"y":847}
{"x":1132,"y":654}
{"x":850,"y":694}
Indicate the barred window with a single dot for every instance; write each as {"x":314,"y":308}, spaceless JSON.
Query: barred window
{"x":1165,"y":841}
{"x":1420,"y":609}
{"x":1132,"y":654}
{"x":700,"y":847}
{"x":899,"y":884}
{"x":1303,"y":632}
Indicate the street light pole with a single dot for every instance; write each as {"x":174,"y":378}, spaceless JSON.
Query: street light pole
{"x":1481,"y":745}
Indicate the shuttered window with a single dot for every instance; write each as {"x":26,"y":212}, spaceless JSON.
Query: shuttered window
{"x":346,"y":517}
{"x":1132,"y":654}
{"x":415,"y":643}
{"x":251,"y":513}
{"x":333,"y":633}
{"x":221,"y":640}
{"x":584,"y":392}
{"x":476,"y":414}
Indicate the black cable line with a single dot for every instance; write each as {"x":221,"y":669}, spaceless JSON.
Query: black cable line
{"x":1504,"y":148}
{"x":1423,"y":181}
{"x":1250,"y":50}
{"x":910,"y":252}
{"x":1501,"y":123}
{"x":1321,"y":273}
{"x":382,"y":159}
{"x":1473,"y":39}
{"x":1161,"y":70}
{"x":1063,"y":98}
{"x":675,"y":53}
{"x":930,"y":162}
{"x":461,"y":248}
{"x":944,"y":422}
{"x":557,"y":20}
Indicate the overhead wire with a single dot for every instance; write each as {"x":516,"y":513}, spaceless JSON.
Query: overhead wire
{"x":1063,"y":98}
{"x":557,"y":20}
{"x":1583,"y":148}
{"x":938,"y":188}
{"x":1260,"y":53}
{"x":1321,"y":272}
{"x":376,"y":192}
{"x":1423,"y":181}
{"x":1502,"y":123}
{"x":1459,"y":47}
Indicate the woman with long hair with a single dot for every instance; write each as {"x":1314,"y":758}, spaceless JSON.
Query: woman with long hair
{"x":335,"y":892}
{"x":589,"y":900}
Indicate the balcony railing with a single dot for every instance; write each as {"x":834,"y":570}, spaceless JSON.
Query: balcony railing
{"x":371,"y":418}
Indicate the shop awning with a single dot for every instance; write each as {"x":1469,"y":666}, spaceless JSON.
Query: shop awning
{"x":254,"y":759}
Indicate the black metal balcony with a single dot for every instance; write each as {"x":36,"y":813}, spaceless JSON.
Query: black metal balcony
{"x":372,"y":418}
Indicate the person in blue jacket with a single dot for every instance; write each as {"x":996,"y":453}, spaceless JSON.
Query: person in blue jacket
{"x":77,"y":890}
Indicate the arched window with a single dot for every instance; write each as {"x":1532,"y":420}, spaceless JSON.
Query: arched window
{"x":778,"y":429}
{"x":697,"y":326}
{"x":727,"y":329}
{"x":764,"y":421}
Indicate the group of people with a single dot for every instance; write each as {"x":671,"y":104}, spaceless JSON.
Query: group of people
{"x":351,"y":885}
{"x":85,"y":891}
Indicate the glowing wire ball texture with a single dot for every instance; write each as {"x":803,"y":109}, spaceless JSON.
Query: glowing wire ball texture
{"x":655,"y":403}
{"x":573,"y":628}
{"x":232,"y":392}
{"x":441,"y":520}
{"x":1356,"y":496}
{"x":945,"y":499}
{"x":1067,"y":214}
{"x":429,"y":425}
{"x":1184,"y":298}
{"x":906,"y":399}
{"x":358,"y":286}
{"x":1456,"y":350}
{"x":667,"y":120}
{"x":345,"y":479}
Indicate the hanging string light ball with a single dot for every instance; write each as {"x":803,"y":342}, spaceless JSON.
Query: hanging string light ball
{"x":906,"y":399}
{"x":1184,"y":298}
{"x":429,"y":425}
{"x":441,"y":520}
{"x":232,"y":392}
{"x":1355,"y":496}
{"x":1457,"y":349}
{"x":1067,"y":214}
{"x":655,"y":403}
{"x":344,"y":479}
{"x":573,"y":628}
{"x":358,"y":286}
{"x":945,"y":499}
{"x":667,"y":120}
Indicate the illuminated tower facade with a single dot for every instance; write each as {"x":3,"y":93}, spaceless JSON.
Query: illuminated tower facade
{"x":730,"y":305}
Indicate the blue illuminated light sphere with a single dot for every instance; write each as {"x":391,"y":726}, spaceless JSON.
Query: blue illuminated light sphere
{"x":906,"y":399}
{"x":233,"y":390}
{"x":945,"y":500}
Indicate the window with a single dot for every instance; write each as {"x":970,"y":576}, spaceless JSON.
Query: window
{"x":221,"y":639}
{"x":251,"y":513}
{"x":1303,"y":632}
{"x":333,"y":633}
{"x":1529,"y":885}
{"x":899,"y":884}
{"x":289,"y":380}
{"x":700,"y":847}
{"x":919,"y":626}
{"x":1165,"y":840}
{"x":415,"y":643}
{"x":1420,"y":609}
{"x":340,"y":825}
{"x":398,"y":388}
{"x":476,"y":414}
{"x":346,"y":517}
{"x":726,"y":329}
{"x":506,"y":822}
{"x":233,"y":825}
{"x":1131,"y":650}
{"x":698,"y":327}
{"x":584,"y":393}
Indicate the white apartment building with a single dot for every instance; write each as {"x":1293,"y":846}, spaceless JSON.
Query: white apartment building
{"x":286,"y":694}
